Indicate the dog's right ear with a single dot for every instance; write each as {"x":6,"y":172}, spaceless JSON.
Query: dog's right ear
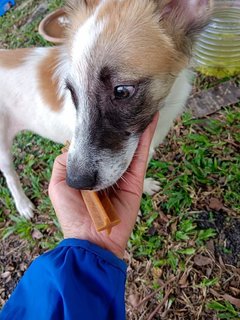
{"x":183,"y":19}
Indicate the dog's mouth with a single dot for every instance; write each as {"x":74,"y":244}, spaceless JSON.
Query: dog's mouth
{"x":95,"y":180}
{"x":99,"y":170}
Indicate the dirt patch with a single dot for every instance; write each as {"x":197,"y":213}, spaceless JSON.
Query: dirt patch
{"x":14,"y":260}
{"x":183,"y":295}
{"x":227,"y":242}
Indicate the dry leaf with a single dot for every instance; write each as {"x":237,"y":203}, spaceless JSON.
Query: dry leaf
{"x":215,"y":204}
{"x":183,"y":281}
{"x":232,"y":300}
{"x":210,"y":246}
{"x":200,"y":260}
{"x":5,"y":275}
{"x":36,"y":234}
{"x":134,"y":299}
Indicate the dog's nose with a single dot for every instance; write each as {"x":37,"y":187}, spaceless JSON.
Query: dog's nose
{"x":85,"y":181}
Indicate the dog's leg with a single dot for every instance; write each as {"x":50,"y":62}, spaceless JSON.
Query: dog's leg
{"x":23,"y":204}
{"x":174,"y":105}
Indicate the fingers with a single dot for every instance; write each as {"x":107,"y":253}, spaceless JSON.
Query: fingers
{"x":139,"y":163}
{"x":59,"y":170}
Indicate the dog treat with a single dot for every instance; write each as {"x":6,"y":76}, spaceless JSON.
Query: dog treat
{"x":101,"y":210}
{"x":99,"y":207}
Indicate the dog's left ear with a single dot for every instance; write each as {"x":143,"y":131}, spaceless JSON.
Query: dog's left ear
{"x":184,"y":19}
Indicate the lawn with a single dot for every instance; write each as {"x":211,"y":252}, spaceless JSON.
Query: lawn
{"x":184,"y":253}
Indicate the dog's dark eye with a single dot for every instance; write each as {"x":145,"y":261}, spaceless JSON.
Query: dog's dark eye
{"x":123,"y":92}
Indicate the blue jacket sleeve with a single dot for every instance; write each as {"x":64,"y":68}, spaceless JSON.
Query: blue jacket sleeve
{"x":77,"y":280}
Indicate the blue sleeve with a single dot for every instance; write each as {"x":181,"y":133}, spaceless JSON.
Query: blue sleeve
{"x":77,"y":280}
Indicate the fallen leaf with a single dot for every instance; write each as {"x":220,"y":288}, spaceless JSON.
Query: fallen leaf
{"x":36,"y":234}
{"x":200,"y":260}
{"x":183,"y":281}
{"x":134,"y":299}
{"x":5,"y":275}
{"x":232,"y":300}
{"x":22,"y":266}
{"x":215,"y":204}
{"x":210,"y":246}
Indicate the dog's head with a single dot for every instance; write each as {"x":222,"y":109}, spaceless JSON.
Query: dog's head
{"x":122,"y":59}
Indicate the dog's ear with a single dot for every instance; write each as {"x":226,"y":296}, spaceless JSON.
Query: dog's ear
{"x":184,"y":19}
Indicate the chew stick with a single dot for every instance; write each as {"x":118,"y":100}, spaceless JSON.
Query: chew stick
{"x":101,"y":210}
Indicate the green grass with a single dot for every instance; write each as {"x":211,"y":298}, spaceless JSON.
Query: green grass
{"x":224,"y":310}
{"x":33,"y":158}
{"x":200,"y":162}
{"x":206,"y":154}
{"x":15,"y":29}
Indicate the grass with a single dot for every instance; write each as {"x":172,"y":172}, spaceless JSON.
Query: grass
{"x":199,"y":162}
{"x":224,"y":310}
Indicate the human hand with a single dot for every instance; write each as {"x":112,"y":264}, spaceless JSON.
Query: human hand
{"x":125,"y":197}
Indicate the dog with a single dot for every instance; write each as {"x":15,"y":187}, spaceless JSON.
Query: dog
{"x":121,"y":62}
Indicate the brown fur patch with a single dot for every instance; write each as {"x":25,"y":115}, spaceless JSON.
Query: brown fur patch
{"x":11,"y":59}
{"x":145,"y":35}
{"x":48,"y":85}
{"x":134,"y":39}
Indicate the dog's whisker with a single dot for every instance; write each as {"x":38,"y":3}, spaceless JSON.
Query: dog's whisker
{"x":124,"y":179}
{"x":117,"y":185}
{"x":116,"y":189}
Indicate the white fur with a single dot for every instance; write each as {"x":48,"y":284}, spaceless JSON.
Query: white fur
{"x":83,"y":44}
{"x":22,"y":108}
{"x":151,"y":186}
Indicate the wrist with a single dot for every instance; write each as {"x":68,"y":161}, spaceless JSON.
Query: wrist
{"x":106,"y":244}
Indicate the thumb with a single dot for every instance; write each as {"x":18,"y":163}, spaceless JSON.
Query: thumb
{"x":59,"y":170}
{"x":139,"y":163}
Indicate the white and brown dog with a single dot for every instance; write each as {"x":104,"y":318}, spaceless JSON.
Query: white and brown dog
{"x":123,"y":60}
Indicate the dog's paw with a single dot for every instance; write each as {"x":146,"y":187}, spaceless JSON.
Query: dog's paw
{"x":151,"y":186}
{"x":25,"y":207}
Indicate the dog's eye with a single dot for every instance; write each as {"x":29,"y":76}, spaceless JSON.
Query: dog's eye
{"x":123,"y":92}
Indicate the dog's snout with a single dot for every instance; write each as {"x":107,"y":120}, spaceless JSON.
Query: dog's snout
{"x":86,"y":181}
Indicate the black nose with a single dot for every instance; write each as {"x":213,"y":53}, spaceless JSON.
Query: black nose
{"x":85,"y":181}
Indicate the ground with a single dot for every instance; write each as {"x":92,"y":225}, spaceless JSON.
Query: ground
{"x":184,"y":253}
